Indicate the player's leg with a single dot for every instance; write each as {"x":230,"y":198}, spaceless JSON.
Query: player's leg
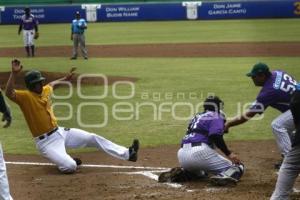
{"x":26,"y":42}
{"x":4,"y":186}
{"x":31,"y":42}
{"x":53,"y":148}
{"x":282,"y":127}
{"x":287,"y":174}
{"x":75,"y":46}
{"x":189,"y":162}
{"x":205,"y":158}
{"x":82,"y":46}
{"x":76,"y":138}
{"x":295,"y":109}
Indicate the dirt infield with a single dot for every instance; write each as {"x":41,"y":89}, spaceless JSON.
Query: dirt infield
{"x":233,"y":49}
{"x":45,"y":182}
{"x":51,"y":76}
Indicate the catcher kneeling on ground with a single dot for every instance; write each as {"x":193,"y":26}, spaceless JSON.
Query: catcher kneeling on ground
{"x":197,"y":156}
{"x":52,"y":140}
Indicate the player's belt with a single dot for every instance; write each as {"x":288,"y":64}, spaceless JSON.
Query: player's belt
{"x":193,"y":144}
{"x":47,"y":134}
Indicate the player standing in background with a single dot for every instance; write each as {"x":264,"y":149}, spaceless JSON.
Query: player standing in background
{"x":29,"y":25}
{"x":77,"y":35}
{"x":52,"y":140}
{"x":277,"y":88}
{"x":290,"y":168}
{"x":4,"y":186}
{"x":197,"y":155}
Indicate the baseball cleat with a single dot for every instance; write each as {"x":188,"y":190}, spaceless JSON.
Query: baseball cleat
{"x":278,"y":164}
{"x":222,"y":180}
{"x":78,"y":161}
{"x":133,"y":150}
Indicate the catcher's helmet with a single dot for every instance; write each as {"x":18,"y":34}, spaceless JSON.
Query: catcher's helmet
{"x":27,"y":10}
{"x":32,"y":77}
{"x":213,"y":103}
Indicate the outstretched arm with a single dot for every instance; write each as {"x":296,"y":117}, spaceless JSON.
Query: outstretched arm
{"x":4,"y":108}
{"x":68,"y":77}
{"x":16,"y":67}
{"x":218,"y":140}
{"x":239,"y":120}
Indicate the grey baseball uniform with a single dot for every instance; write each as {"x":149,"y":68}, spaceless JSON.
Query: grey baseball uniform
{"x":290,"y":168}
{"x":78,"y":27}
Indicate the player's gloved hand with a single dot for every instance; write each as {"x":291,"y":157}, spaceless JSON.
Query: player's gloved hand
{"x":234,"y":158}
{"x":16,"y":66}
{"x":7,"y":117}
{"x":36,"y":35}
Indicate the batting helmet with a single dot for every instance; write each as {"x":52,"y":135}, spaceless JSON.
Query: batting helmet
{"x":213,"y":103}
{"x":32,"y":77}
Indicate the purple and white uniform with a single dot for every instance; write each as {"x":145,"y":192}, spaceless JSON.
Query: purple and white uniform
{"x":277,"y":93}
{"x":28,"y":24}
{"x":196,"y":153}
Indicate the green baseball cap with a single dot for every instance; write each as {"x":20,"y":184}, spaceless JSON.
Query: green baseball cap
{"x":258,"y":68}
{"x":32,"y":77}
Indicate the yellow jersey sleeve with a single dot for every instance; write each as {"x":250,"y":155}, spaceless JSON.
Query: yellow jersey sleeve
{"x":21,"y":96}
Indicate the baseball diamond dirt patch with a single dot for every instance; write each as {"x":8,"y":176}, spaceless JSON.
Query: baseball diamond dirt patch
{"x":32,"y":182}
{"x":51,"y":76}
{"x":113,"y":179}
{"x":237,"y":49}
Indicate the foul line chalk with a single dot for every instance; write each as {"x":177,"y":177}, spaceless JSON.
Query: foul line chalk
{"x":151,"y":175}
{"x":91,"y":166}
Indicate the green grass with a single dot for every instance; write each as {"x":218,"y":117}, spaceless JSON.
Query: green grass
{"x":163,"y":32}
{"x":223,"y":76}
{"x":157,"y":76}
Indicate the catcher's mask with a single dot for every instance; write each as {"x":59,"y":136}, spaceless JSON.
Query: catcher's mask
{"x":213,"y":103}
{"x":33,"y":77}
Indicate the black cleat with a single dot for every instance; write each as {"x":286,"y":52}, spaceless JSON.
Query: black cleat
{"x":278,"y":165}
{"x":133,"y":150}
{"x":73,"y":58}
{"x":78,"y":161}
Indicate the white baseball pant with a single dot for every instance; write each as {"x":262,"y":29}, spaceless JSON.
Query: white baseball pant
{"x":28,"y":36}
{"x":53,"y":147}
{"x":283,"y":127}
{"x":202,"y":158}
{"x":4,"y":186}
{"x":288,"y":173}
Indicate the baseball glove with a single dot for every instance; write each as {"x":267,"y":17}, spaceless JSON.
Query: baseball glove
{"x":36,"y":35}
{"x":177,"y":175}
